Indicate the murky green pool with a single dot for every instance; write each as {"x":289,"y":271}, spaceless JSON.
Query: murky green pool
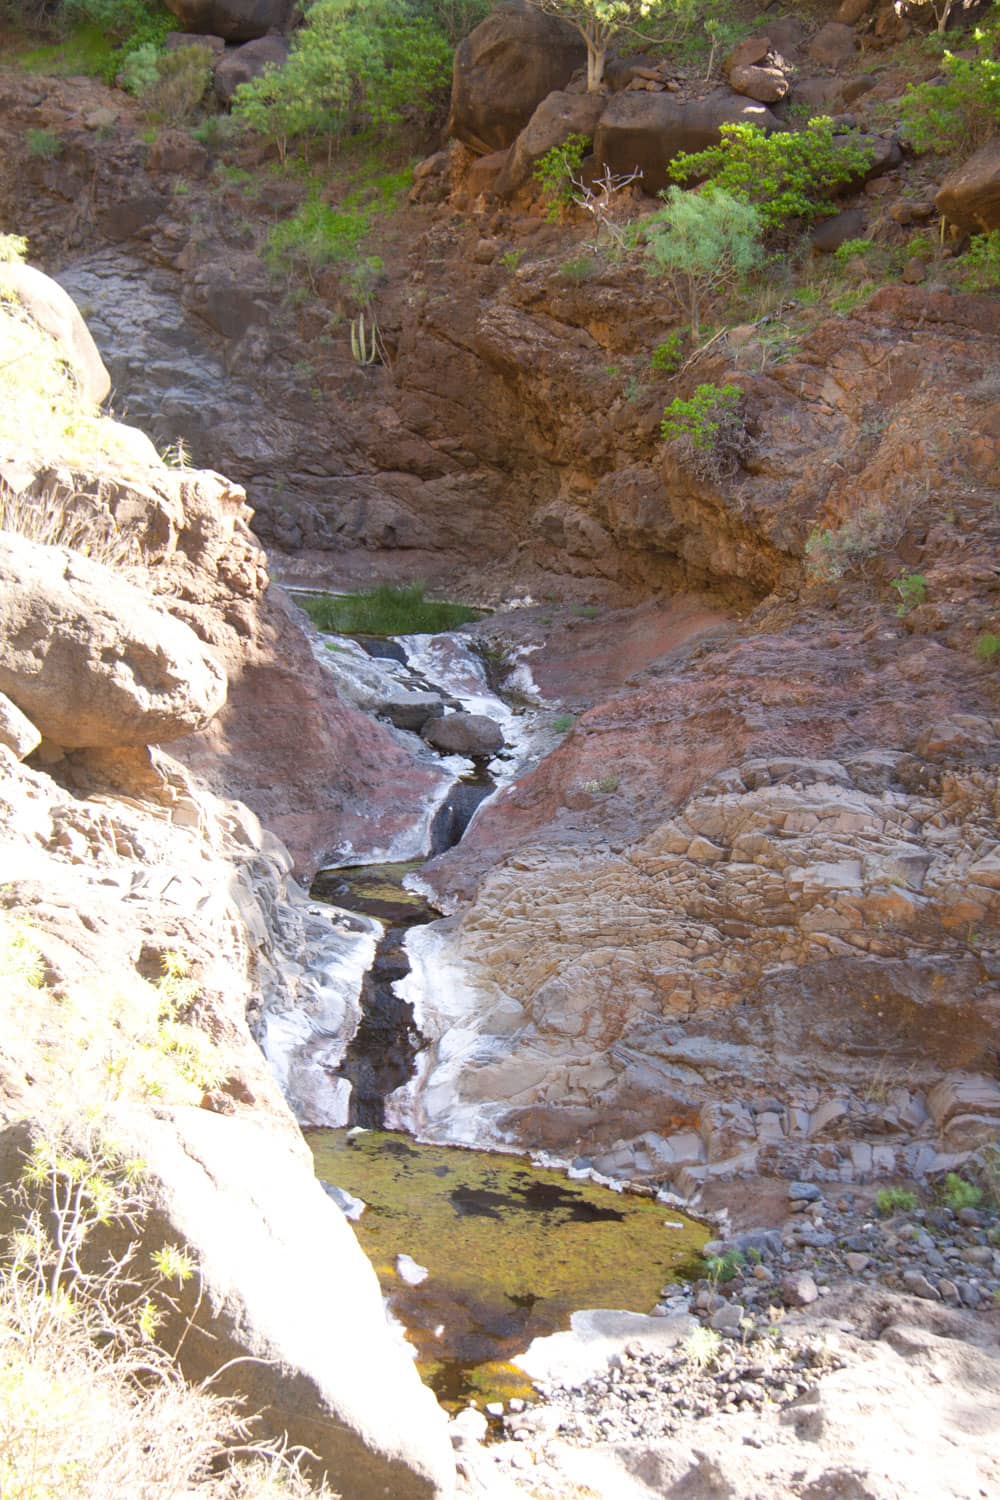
{"x":512,"y":1250}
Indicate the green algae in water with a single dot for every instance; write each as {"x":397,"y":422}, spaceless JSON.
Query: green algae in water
{"x":512,"y":1250}
{"x":376,"y":890}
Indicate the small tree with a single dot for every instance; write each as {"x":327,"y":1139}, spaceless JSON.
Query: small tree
{"x":599,"y":22}
{"x":942,"y":9}
{"x":703,"y":242}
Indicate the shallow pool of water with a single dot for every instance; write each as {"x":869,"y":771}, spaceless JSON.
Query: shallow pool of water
{"x":511,"y":1250}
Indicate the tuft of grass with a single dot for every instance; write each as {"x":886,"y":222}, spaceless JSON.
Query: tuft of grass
{"x":563,"y":723}
{"x":987,"y":646}
{"x":385,"y":611}
{"x":701,"y":1348}
{"x":44,"y":144}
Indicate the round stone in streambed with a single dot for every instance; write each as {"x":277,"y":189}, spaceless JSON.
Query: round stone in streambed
{"x":511,"y":1250}
{"x":464,"y":734}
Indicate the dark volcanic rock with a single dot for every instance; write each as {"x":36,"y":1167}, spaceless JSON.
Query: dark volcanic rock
{"x":503,"y":71}
{"x":646,"y":131}
{"x":235,"y":20}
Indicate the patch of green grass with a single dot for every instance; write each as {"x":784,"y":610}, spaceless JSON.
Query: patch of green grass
{"x":385,"y":611}
{"x":987,"y":646}
{"x":895,"y":1200}
{"x":563,"y":723}
{"x":86,"y":51}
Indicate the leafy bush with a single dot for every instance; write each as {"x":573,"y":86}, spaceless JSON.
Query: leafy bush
{"x":139,"y":69}
{"x":563,"y":723}
{"x":180,"y":82}
{"x":895,"y":1200}
{"x":702,"y":242}
{"x":912,"y":590}
{"x":987,"y":646}
{"x":958,"y":1193}
{"x":708,"y":428}
{"x":668,"y":356}
{"x":352,"y":65}
{"x":385,"y":611}
{"x":982,"y":262}
{"x":554,"y":172}
{"x":962,"y":111}
{"x":788,"y":175}
{"x":134,"y":22}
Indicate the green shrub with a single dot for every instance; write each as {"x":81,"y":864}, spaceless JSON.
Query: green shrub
{"x":830,"y":553}
{"x":702,"y":242}
{"x":958,"y":1193}
{"x":385,"y":611}
{"x":352,"y":66}
{"x":708,"y":428}
{"x":895,"y":1200}
{"x":982,"y":262}
{"x":668,"y":357}
{"x":725,"y":1268}
{"x":555,"y":171}
{"x":987,"y":646}
{"x":912,"y":591}
{"x":44,"y":144}
{"x":789,"y":175}
{"x":180,"y":82}
{"x":511,"y":259}
{"x":963,"y":111}
{"x":139,"y":69}
{"x":563,"y":723}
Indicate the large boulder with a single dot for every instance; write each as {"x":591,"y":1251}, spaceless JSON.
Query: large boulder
{"x":464,"y":734}
{"x":644,"y":132}
{"x":90,"y":659}
{"x":57,"y":314}
{"x":970,"y":195}
{"x":557,"y":118}
{"x":242,"y":64}
{"x":285,"y":1311}
{"x":503,"y":71}
{"x":235,"y":20}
